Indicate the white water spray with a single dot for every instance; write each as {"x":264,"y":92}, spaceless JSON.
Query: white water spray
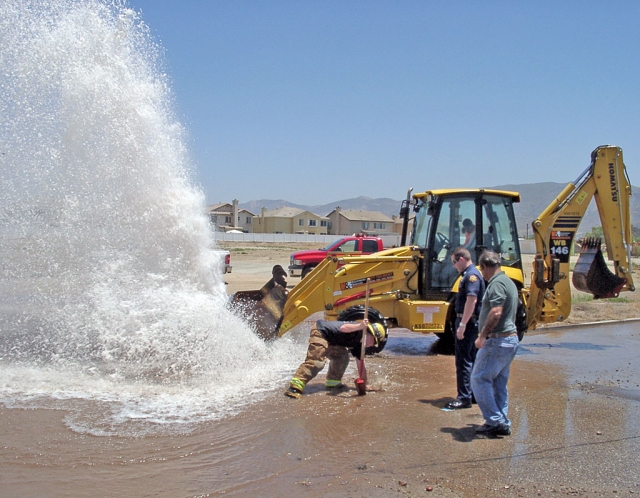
{"x":110,"y":289}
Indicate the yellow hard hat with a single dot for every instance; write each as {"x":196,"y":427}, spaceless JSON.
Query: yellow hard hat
{"x":379,"y":333}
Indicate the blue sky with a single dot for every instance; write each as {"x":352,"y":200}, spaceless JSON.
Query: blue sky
{"x":314,"y":102}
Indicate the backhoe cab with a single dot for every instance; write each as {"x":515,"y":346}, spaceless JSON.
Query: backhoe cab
{"x":475,"y":219}
{"x":413,"y":286}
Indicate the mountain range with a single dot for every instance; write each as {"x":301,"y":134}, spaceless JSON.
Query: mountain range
{"x":534,"y":198}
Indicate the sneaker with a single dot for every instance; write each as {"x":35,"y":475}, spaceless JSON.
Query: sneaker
{"x":292,"y":392}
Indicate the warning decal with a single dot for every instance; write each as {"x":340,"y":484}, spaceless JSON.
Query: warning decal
{"x":560,"y":245}
{"x":361,"y":282}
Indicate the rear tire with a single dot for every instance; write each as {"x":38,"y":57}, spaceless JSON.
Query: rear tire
{"x":357,"y":313}
{"x":521,"y":320}
{"x":447,"y":340}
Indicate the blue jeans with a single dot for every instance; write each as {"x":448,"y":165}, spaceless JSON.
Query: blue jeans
{"x":489,"y":378}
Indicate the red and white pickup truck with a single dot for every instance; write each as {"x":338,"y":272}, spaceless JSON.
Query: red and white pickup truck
{"x":225,"y":257}
{"x":303,"y":262}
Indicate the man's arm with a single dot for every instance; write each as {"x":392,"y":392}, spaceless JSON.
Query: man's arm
{"x":492,"y":320}
{"x":469,"y":308}
{"x":347,"y":328}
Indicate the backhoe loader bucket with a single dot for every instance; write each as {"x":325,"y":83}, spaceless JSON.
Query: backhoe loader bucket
{"x":591,"y":273}
{"x":263,"y":308}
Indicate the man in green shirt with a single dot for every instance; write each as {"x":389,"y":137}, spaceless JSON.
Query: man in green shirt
{"x":497,"y":345}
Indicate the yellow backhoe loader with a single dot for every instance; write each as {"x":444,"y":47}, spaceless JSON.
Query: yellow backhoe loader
{"x":413,"y":286}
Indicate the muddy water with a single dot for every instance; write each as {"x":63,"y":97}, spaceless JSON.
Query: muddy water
{"x":575,"y":406}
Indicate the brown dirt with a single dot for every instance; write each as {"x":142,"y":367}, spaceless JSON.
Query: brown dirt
{"x":252,"y":263}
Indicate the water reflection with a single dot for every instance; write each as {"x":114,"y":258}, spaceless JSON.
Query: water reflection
{"x":575,"y":346}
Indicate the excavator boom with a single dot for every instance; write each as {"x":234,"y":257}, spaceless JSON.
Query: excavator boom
{"x":605,"y":179}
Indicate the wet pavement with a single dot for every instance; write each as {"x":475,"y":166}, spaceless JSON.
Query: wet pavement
{"x":575,"y":408}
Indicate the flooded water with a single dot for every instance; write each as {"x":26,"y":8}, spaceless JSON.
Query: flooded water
{"x":112,"y":304}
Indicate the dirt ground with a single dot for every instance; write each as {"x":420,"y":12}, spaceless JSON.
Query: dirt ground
{"x":252,"y":263}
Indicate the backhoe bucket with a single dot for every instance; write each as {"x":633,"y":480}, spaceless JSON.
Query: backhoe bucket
{"x":263,"y":308}
{"x":591,"y":273}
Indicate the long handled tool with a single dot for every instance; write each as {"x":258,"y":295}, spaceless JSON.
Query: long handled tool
{"x":361,"y":383}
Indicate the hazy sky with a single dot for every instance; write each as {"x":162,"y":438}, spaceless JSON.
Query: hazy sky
{"x":314,"y":102}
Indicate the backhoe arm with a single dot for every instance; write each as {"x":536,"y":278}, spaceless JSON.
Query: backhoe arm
{"x":339,"y":283}
{"x":554,"y":230}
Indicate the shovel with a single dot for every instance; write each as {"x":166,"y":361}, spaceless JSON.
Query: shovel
{"x":361,"y":384}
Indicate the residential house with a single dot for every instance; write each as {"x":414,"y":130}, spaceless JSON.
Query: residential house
{"x":399,"y":222}
{"x":290,"y":220}
{"x":223,"y":216}
{"x":350,"y":221}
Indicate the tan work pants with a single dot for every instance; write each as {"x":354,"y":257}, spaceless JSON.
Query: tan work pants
{"x":318,"y":352}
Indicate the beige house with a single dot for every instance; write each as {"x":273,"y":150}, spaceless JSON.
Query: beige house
{"x":350,"y":221}
{"x":222,"y":216}
{"x":398,"y":222}
{"x":290,"y":220}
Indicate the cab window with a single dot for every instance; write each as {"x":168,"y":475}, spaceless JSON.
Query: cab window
{"x":369,"y":246}
{"x":347,"y":246}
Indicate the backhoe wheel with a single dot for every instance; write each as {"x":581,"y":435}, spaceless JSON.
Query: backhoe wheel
{"x":447,"y":338}
{"x":306,"y":270}
{"x":521,"y":320}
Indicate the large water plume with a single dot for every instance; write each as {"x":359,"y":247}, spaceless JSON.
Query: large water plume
{"x":110,"y":286}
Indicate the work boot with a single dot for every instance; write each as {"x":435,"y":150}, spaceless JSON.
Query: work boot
{"x":458,"y":404}
{"x":493,"y":431}
{"x":292,"y":392}
{"x":502,"y":430}
{"x":333,"y":384}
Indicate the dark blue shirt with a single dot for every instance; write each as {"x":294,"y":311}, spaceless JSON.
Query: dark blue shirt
{"x":330,"y":330}
{"x":471,"y":284}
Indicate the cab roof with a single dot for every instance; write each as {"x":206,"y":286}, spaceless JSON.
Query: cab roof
{"x":471,"y":192}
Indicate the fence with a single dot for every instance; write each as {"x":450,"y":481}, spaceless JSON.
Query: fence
{"x":321,"y":240}
{"x":526,"y":246}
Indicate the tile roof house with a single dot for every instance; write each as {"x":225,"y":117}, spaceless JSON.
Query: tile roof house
{"x":223,"y":214}
{"x":290,"y":220}
{"x":350,"y":221}
{"x":399,"y":222}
